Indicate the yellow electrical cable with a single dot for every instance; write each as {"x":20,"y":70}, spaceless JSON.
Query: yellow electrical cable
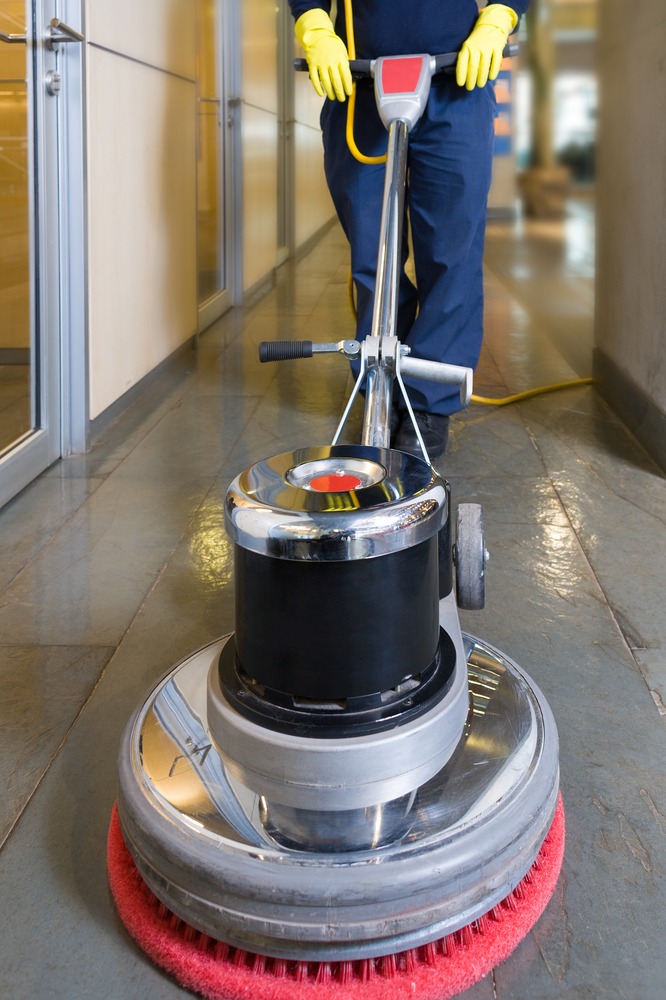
{"x":351,"y":106}
{"x":488,"y":401}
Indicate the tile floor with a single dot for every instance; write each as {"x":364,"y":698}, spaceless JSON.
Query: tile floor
{"x":115,"y":564}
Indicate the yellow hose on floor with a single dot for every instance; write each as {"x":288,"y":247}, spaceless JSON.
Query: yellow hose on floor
{"x":488,"y":401}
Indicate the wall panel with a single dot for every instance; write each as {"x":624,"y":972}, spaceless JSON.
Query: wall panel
{"x":631,"y":269}
{"x":259,"y":140}
{"x":260,"y":137}
{"x":313,"y":206}
{"x":141,"y":221}
{"x":158,"y":32}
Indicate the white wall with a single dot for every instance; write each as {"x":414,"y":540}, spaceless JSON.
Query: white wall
{"x":259,"y":139}
{"x":141,"y":189}
{"x":141,"y":115}
{"x":313,"y":206}
{"x":631,"y":294}
{"x":631,"y":185}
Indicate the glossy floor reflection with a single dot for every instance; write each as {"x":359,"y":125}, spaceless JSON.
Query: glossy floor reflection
{"x":14,"y":403}
{"x":115,"y":565}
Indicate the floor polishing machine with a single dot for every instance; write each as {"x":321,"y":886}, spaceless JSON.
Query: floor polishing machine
{"x":348,"y":775}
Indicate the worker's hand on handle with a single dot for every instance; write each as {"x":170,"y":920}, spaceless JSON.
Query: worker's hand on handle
{"x":326,"y":54}
{"x":481,"y":55}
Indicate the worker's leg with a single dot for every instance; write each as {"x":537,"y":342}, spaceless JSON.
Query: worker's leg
{"x":450,"y":165}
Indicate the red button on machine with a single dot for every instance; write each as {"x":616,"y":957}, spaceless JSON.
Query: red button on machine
{"x":401,"y":76}
{"x":337,"y":482}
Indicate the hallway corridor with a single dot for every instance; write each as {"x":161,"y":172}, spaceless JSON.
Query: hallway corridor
{"x":115,"y":565}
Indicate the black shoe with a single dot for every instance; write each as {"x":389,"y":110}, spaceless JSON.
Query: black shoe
{"x":434,"y":430}
{"x":396,"y":419}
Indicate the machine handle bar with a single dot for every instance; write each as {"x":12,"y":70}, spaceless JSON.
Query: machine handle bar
{"x":440,"y":371}
{"x":431,"y":371}
{"x":287,"y":350}
{"x":284,"y":350}
{"x":361,"y":68}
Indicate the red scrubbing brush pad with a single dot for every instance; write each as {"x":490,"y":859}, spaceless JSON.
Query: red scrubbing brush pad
{"x":435,"y":971}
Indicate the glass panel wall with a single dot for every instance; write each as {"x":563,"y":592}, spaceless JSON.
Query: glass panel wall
{"x":16,"y":410}
{"x":210,"y":136}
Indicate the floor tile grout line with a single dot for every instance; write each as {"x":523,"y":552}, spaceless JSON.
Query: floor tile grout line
{"x":118,"y":645}
{"x":51,"y":540}
{"x":653,"y":694}
{"x":52,"y":536}
{"x":57,"y":750}
{"x":602,"y":590}
{"x":97,"y":476}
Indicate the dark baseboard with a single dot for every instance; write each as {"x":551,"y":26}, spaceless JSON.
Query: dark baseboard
{"x":250,"y":297}
{"x":14,"y":355}
{"x":107,"y":416}
{"x":640,"y":413}
{"x":256,"y":292}
{"x":304,"y":249}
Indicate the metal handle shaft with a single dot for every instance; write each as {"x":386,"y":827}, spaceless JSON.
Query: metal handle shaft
{"x":13,"y":39}
{"x":439,"y":371}
{"x":58,"y":32}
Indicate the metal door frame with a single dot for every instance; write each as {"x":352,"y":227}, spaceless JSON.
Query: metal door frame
{"x":229,"y":45}
{"x":285,"y":85}
{"x":73,"y":243}
{"x":42,"y":444}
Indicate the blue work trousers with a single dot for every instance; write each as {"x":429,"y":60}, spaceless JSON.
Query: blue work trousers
{"x":449,"y":168}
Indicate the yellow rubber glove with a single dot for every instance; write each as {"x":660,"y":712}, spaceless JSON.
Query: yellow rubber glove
{"x":480,"y":57}
{"x":326,"y":54}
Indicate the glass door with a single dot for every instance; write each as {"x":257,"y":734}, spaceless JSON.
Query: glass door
{"x":285,"y":90}
{"x":213,"y":165}
{"x":29,"y":279}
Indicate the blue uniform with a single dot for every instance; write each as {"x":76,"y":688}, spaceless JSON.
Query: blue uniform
{"x":449,"y":169}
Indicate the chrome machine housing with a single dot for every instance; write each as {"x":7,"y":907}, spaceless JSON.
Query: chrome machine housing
{"x":204,"y":843}
{"x":347,"y":775}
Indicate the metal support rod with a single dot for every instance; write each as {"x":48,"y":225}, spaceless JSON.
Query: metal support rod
{"x":381,"y":368}
{"x":377,"y":417}
{"x":385,"y":310}
{"x":439,"y":371}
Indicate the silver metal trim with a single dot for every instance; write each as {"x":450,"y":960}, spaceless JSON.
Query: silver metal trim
{"x":59,"y":32}
{"x":13,"y":39}
{"x":198,"y":838}
{"x":385,"y":308}
{"x":340,"y":774}
{"x":439,"y":371}
{"x":268,"y":514}
{"x":75,"y":389}
{"x":369,"y":473}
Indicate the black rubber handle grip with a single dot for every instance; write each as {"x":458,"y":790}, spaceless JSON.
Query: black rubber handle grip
{"x":358,"y":67}
{"x":444,"y":61}
{"x":284,"y":350}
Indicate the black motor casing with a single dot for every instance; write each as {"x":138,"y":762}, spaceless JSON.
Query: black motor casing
{"x":337,"y":589}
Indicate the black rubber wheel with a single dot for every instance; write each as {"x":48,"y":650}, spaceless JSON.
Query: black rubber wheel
{"x":470,"y":558}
